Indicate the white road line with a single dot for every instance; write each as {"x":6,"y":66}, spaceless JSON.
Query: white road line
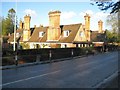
{"x":30,"y":78}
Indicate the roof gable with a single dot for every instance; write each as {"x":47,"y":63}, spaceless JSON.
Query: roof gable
{"x":35,"y":35}
{"x":73,"y":31}
{"x":79,"y":38}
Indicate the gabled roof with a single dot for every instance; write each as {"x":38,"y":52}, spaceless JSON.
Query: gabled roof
{"x":35,"y":36}
{"x":97,"y":37}
{"x":94,"y":35}
{"x":11,"y":39}
{"x":73,"y":31}
{"x":73,"y":28}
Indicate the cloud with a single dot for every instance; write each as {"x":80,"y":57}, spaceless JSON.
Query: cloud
{"x":95,"y":17}
{"x":67,"y":15}
{"x":31,"y":12}
{"x":90,"y":12}
{"x":100,"y":15}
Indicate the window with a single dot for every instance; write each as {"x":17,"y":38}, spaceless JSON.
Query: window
{"x":41,"y":34}
{"x":81,"y":34}
{"x":66,"y":33}
{"x":17,"y":34}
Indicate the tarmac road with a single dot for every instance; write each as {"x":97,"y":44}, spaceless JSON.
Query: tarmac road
{"x":86,"y":72}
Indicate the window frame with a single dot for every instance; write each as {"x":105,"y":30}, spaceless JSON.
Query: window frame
{"x":81,"y":34}
{"x":41,"y":34}
{"x":66,"y":33}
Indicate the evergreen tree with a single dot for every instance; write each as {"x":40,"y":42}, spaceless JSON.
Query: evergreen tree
{"x":8,"y":22}
{"x":104,"y":5}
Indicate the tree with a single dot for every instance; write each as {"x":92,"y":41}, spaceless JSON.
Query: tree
{"x":4,"y":27}
{"x":111,"y":37}
{"x":107,"y":4}
{"x":112,"y":21}
{"x":0,"y":25}
{"x":11,"y":15}
{"x":8,"y":22}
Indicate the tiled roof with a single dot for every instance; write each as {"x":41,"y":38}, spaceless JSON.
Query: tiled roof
{"x":97,"y":37}
{"x":35,"y":36}
{"x":94,"y":35}
{"x":11,"y":39}
{"x":73,"y":28}
{"x":73,"y":31}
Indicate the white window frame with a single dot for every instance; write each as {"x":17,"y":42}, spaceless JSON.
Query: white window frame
{"x":66,"y":33}
{"x":81,"y":34}
{"x":41,"y":34}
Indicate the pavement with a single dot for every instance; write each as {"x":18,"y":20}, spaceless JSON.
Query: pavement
{"x":36,"y":63}
{"x":113,"y":83}
{"x":41,"y":62}
{"x":84,"y":72}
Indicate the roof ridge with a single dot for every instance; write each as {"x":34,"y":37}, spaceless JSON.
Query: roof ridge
{"x":71,"y":24}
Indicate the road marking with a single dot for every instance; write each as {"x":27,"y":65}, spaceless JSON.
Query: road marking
{"x":30,"y":78}
{"x":34,"y":77}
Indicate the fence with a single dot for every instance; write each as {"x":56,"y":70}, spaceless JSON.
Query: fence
{"x":44,"y":54}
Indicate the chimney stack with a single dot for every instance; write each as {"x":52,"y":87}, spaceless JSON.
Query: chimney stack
{"x":26,"y":31}
{"x":87,"y":22}
{"x":100,"y":26}
{"x":87,"y":26}
{"x":21,"y":25}
{"x":53,"y":32}
{"x":27,"y":19}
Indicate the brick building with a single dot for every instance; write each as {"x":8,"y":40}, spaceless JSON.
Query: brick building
{"x":58,"y":36}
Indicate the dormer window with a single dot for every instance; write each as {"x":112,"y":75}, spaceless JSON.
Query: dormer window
{"x":41,"y":34}
{"x":66,"y":33}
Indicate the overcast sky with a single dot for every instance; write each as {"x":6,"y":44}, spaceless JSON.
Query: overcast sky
{"x":71,"y":12}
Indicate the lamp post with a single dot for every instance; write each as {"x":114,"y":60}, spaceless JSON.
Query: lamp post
{"x":15,"y":28}
{"x":14,"y":35}
{"x":14,"y":44}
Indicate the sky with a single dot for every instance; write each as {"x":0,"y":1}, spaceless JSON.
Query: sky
{"x":71,"y":12}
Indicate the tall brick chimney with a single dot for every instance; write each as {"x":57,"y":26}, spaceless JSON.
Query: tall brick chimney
{"x":87,"y":26}
{"x":21,"y":25}
{"x":54,"y":31}
{"x":26,"y":31}
{"x":100,"y":26}
{"x":27,"y":19}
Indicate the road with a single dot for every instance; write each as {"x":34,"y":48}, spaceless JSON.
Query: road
{"x":85,"y":72}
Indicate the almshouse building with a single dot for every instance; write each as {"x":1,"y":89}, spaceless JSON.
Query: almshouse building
{"x":58,"y":36}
